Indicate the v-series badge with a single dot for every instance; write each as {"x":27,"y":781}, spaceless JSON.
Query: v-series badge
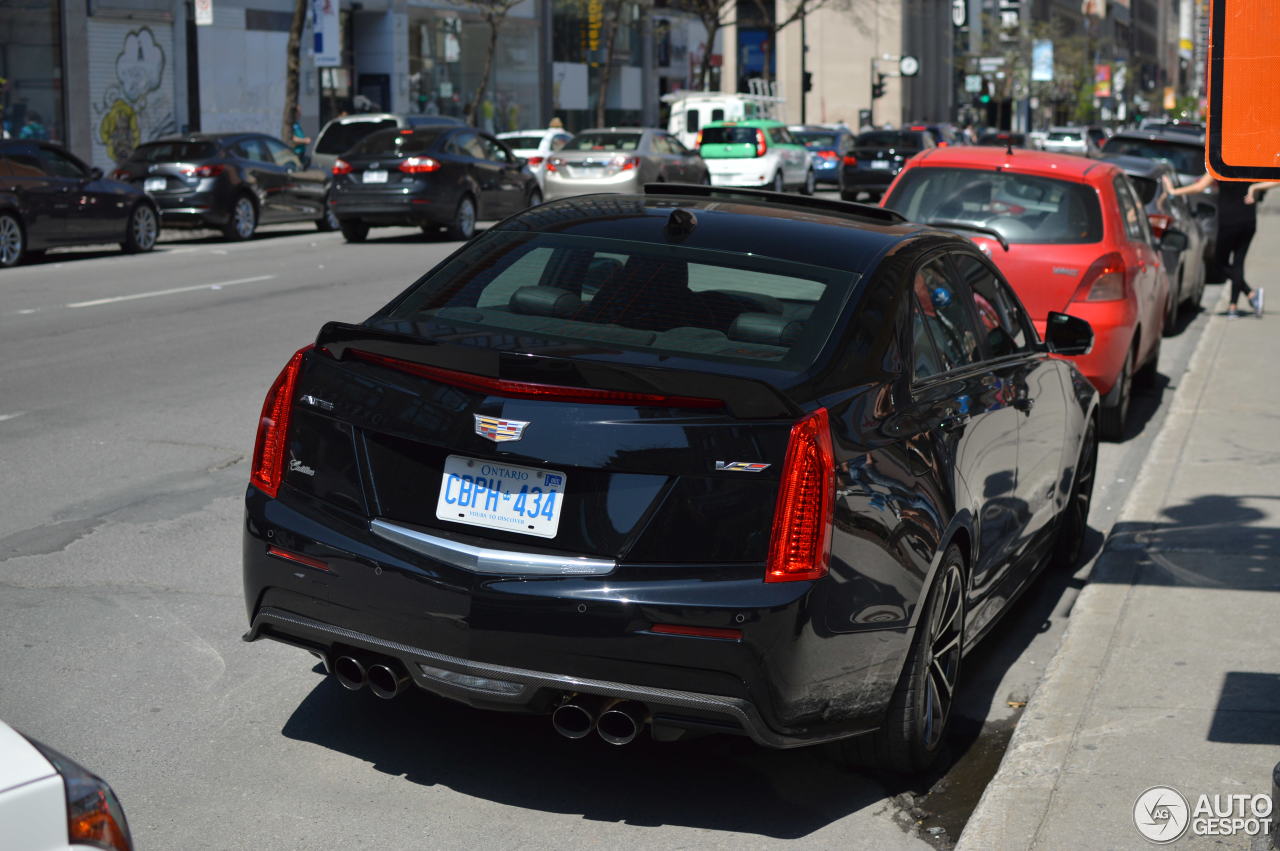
{"x":741,"y":466}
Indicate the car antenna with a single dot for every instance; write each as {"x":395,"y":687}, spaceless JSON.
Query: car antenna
{"x":681,"y":223}
{"x":1008,"y":147}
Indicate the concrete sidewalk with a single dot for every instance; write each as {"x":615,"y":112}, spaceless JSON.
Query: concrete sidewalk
{"x":1169,"y":672}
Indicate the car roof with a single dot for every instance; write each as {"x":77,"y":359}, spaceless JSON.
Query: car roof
{"x":746,"y":122}
{"x":1021,"y":161}
{"x":1181,"y":137}
{"x":1067,"y":128}
{"x":545,"y":131}
{"x":623,"y":130}
{"x":827,"y":233}
{"x":204,"y":137}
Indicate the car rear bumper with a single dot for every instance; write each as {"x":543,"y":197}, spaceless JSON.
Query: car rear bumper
{"x":192,"y":209}
{"x":741,"y":171}
{"x":522,"y":643}
{"x":861,"y":178}
{"x":388,"y":208}
{"x":554,"y":185}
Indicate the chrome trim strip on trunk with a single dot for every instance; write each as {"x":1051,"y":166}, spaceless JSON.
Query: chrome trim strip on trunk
{"x":483,"y":560}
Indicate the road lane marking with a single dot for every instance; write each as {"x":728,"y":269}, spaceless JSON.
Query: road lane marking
{"x":174,"y":291}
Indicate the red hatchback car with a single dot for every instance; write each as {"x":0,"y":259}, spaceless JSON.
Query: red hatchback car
{"x":1070,"y":235}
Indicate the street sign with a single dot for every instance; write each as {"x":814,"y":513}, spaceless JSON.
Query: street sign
{"x":1243,"y":142}
{"x":959,"y":12}
{"x":204,"y":13}
{"x":973,"y":83}
{"x":908,"y":66}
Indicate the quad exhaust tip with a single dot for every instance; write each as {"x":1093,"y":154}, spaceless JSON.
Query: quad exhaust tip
{"x":621,"y":721}
{"x":350,"y":672}
{"x":576,"y":717}
{"x":386,"y":680}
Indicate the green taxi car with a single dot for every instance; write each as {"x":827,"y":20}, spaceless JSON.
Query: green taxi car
{"x":757,"y":153}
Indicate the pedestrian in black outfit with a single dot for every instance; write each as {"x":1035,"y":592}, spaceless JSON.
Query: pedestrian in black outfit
{"x":1237,"y":222}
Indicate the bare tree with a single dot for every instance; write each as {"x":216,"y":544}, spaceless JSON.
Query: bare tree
{"x":714,"y":15}
{"x":291,"y":62}
{"x":494,"y":13}
{"x":612,"y":14}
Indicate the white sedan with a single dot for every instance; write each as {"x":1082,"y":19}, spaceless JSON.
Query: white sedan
{"x":535,"y":146}
{"x":50,"y":803}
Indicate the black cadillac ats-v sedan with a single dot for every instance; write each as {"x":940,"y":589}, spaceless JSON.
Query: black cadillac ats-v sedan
{"x":700,"y":460}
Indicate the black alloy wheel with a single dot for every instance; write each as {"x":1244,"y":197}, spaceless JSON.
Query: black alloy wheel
{"x":243,"y":221}
{"x":1115,"y":405}
{"x":329,"y":220}
{"x":354,"y":230}
{"x":1074,"y":519}
{"x":12,"y":240}
{"x":464,"y":219}
{"x":915,"y":725}
{"x":144,"y":230}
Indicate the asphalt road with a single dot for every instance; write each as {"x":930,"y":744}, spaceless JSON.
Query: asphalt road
{"x":131,"y":390}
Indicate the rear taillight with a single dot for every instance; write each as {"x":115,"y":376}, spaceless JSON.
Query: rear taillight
{"x":850,"y":160}
{"x":419,"y":165}
{"x":1159,"y":223}
{"x":800,"y":546}
{"x":761,"y":144}
{"x":273,"y":427}
{"x":94,"y":814}
{"x":210,"y":170}
{"x":341,"y":166}
{"x":553,"y":163}
{"x":1105,"y":280}
{"x":119,"y":174}
{"x":529,"y":390}
{"x":828,"y":155}
{"x":534,"y":162}
{"x":626,"y":163}
{"x":697,"y":143}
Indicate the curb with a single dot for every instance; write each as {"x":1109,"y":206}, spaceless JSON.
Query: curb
{"x":1018,"y":798}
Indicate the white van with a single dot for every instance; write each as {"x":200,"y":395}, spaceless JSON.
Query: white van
{"x":691,"y":110}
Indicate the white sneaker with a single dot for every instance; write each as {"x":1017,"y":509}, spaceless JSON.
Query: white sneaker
{"x":1256,"y":301}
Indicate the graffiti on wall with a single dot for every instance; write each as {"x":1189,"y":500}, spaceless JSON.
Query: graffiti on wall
{"x":135,"y":106}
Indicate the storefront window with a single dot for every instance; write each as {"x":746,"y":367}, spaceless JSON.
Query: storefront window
{"x":31,"y":69}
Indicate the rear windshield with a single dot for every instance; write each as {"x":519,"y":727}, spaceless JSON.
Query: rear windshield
{"x":729,"y":136}
{"x":340,"y":138}
{"x":1064,"y":136}
{"x":889,"y":139}
{"x":1024,"y":208}
{"x":604,"y":142}
{"x":1003,"y":139}
{"x":665,"y":299}
{"x":1185,"y":159}
{"x":399,"y":143}
{"x":816,"y":141}
{"x":521,"y":141}
{"x":173,"y":152}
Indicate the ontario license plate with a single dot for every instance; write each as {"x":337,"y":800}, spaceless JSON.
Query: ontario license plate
{"x":880,"y":164}
{"x":154,"y":184}
{"x":526,"y":500}
{"x":374,"y":177}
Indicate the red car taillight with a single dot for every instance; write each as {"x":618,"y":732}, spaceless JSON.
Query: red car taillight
{"x":850,"y":160}
{"x":534,"y":162}
{"x":761,"y":145}
{"x":119,"y":174}
{"x":419,"y":165}
{"x":273,"y":427}
{"x":1159,"y":223}
{"x":828,"y":155}
{"x":341,"y":166}
{"x":626,"y":163}
{"x":697,"y":143}
{"x":1105,"y":280}
{"x":553,"y":163}
{"x":210,"y":170}
{"x":800,"y":546}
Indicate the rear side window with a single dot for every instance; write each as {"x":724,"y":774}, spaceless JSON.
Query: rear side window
{"x":1024,"y":208}
{"x":340,"y":138}
{"x":942,"y":310}
{"x":1145,"y":187}
{"x":666,"y":299}
{"x":1001,"y":320}
{"x":171,"y":152}
{"x":691,"y":124}
{"x":398,"y":143}
{"x":1135,"y":224}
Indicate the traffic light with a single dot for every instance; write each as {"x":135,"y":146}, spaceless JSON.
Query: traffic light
{"x":877,"y":88}
{"x":808,"y":81}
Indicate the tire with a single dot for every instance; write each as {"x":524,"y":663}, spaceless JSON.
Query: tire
{"x":143,"y":230}
{"x":1146,"y":374}
{"x":329,"y":221}
{"x":1115,"y":405}
{"x":243,"y":222}
{"x":810,"y":183}
{"x":778,"y":185}
{"x":13,"y":240}
{"x":1173,"y":303}
{"x":535,"y":198}
{"x":353,"y":230}
{"x":915,"y":725}
{"x":1074,"y":519}
{"x":463,"y":225}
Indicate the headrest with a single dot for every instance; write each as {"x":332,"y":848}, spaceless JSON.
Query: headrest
{"x":545,"y":301}
{"x":766,"y":328}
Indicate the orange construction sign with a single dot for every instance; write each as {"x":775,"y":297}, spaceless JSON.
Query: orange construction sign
{"x":1243,"y":142}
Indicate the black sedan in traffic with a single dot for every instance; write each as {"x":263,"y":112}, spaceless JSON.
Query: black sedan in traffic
{"x":229,"y":181}
{"x":49,"y":198}
{"x":876,"y":158}
{"x":698,"y":460}
{"x":431,"y":177}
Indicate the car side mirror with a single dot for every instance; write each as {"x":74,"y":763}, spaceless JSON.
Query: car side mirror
{"x":1174,"y":240}
{"x":95,"y":173}
{"x":1068,"y":335}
